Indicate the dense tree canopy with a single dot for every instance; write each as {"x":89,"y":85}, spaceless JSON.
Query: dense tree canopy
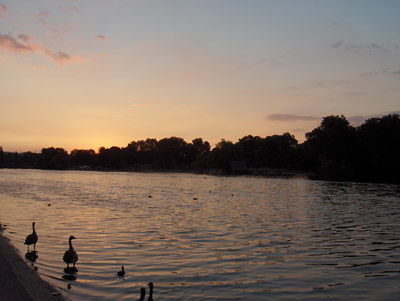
{"x":333,"y":150}
{"x":330,"y":147}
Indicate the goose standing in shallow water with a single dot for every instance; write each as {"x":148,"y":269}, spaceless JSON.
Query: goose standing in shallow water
{"x":151,"y":291}
{"x":32,"y":239}
{"x":70,"y":255}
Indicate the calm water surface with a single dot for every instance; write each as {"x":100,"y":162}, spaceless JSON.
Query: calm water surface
{"x":207,"y":238}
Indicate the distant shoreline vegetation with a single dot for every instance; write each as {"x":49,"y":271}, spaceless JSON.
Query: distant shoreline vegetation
{"x":335,"y":150}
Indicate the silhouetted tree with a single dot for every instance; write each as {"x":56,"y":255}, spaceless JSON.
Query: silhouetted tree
{"x":200,"y":147}
{"x":378,"y":149}
{"x":251,"y":147}
{"x":1,"y":157}
{"x":112,"y":158}
{"x":278,"y":151}
{"x":172,"y":152}
{"x":147,"y":151}
{"x":333,"y":150}
{"x":54,"y":158}
{"x":29,"y":160}
{"x":197,"y":153}
{"x":132,"y":153}
{"x":329,"y":147}
{"x":81,"y":157}
{"x":224,"y":152}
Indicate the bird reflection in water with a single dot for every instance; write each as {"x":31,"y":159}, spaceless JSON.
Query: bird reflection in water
{"x":71,"y":277}
{"x":32,"y":239}
{"x":32,"y":256}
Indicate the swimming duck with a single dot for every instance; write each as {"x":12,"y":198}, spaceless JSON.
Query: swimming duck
{"x":122,"y":272}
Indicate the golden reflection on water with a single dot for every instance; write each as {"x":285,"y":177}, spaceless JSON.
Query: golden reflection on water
{"x":207,"y":238}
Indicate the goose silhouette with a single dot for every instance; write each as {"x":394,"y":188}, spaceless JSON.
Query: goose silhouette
{"x":70,"y":256}
{"x":151,"y":286}
{"x":32,"y":239}
{"x":122,"y":272}
{"x":142,"y":293}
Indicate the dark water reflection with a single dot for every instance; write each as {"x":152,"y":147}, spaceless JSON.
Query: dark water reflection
{"x":208,"y":238}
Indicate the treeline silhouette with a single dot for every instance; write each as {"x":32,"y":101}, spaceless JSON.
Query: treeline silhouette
{"x":334,"y":150}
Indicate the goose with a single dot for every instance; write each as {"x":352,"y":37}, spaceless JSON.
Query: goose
{"x":122,"y":272}
{"x":70,"y":255}
{"x":32,"y":239}
{"x":151,"y":291}
{"x":142,"y":293}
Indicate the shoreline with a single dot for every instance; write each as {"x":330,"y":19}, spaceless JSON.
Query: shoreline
{"x":20,"y":282}
{"x":262,"y":172}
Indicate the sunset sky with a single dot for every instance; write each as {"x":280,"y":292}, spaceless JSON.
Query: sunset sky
{"x":92,"y":73}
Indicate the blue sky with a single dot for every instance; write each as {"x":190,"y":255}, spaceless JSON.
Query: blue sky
{"x":86,"y":74}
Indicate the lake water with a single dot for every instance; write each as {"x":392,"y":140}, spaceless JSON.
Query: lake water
{"x":202,"y":237}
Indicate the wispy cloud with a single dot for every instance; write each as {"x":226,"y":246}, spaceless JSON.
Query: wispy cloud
{"x":24,"y":45}
{"x":58,"y":56}
{"x":146,"y":104}
{"x":298,"y":130}
{"x":289,"y":117}
{"x":3,"y":9}
{"x":355,"y":120}
{"x":358,"y":120}
{"x":9,"y":43}
{"x":36,"y":68}
{"x":42,"y":17}
{"x":382,"y":72}
{"x":101,"y":37}
{"x":366,"y":47}
{"x":24,"y":37}
{"x":322,"y":83}
{"x":70,"y":8}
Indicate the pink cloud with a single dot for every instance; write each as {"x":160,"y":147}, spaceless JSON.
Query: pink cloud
{"x":101,"y":37}
{"x":56,"y":30}
{"x":36,"y":68}
{"x":24,"y":37}
{"x":61,"y":57}
{"x":335,"y":23}
{"x":9,"y":43}
{"x":3,"y":9}
{"x":42,"y":15}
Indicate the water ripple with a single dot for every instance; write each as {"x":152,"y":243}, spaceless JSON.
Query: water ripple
{"x":207,"y":238}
